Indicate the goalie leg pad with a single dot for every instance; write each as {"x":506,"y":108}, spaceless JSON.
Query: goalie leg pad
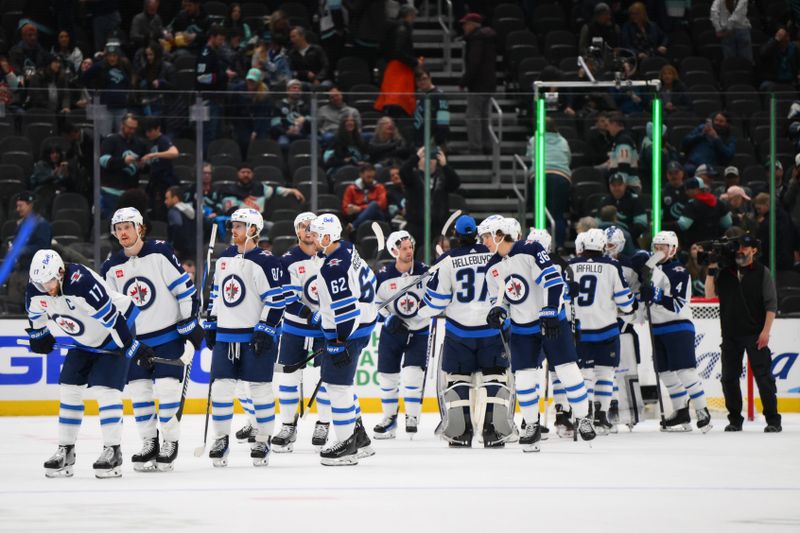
{"x":456,"y":401}
{"x":498,"y":395}
{"x":694,"y":386}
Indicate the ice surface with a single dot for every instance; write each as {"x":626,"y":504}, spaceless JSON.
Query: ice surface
{"x":640,"y":481}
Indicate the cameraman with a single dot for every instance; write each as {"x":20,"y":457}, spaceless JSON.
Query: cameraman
{"x":747,"y":305}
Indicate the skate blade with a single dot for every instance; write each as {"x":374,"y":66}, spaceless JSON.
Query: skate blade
{"x":494,"y":444}
{"x":531,"y":448}
{"x":601,"y":432}
{"x":364,"y":452}
{"x":220,"y":463}
{"x":684,"y":428}
{"x":614,"y":430}
{"x":107,"y":474}
{"x":165,"y":467}
{"x":318,"y":447}
{"x":258,"y":461}
{"x":586,"y":437}
{"x":289,"y":448}
{"x":149,"y":466}
{"x":58,"y":472}
{"x":705,"y":429}
{"x":384,"y":436}
{"x":351,"y":460}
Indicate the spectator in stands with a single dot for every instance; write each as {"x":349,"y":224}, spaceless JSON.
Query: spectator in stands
{"x":252,"y":107}
{"x":673,"y":195}
{"x":630,"y":211}
{"x":154,"y":78}
{"x":607,"y":217}
{"x":273,"y":60}
{"x":558,"y":176}
{"x":741,"y":209}
{"x":585,"y":224}
{"x":279,"y":29}
{"x":779,"y":61}
{"x":673,"y":91}
{"x":602,"y":26}
{"x":234,"y":22}
{"x":39,"y":240}
{"x":79,"y":154}
{"x":707,"y":174}
{"x":791,"y":198}
{"x":308,"y":61}
{"x":146,"y":26}
{"x":159,"y":158}
{"x":249,"y":192}
{"x":396,"y":98}
{"x":729,"y":18}
{"x":70,"y":54}
{"x":187,"y":32}
{"x":332,"y":28}
{"x":212,"y":79}
{"x":396,"y":196}
{"x":479,"y":79}
{"x":105,"y":20}
{"x":668,"y":152}
{"x":234,"y":55}
{"x":181,"y":226}
{"x":629,"y":100}
{"x":51,"y":174}
{"x":705,"y":217}
{"x":211,"y":200}
{"x":711,"y":143}
{"x":292,"y":120}
{"x":387,"y":144}
{"x":49,"y":88}
{"x":84,"y":98}
{"x":113,"y":77}
{"x":329,"y":116}
{"x":732,"y":179}
{"x":364,"y":200}
{"x":697,"y":272}
{"x":367,"y":25}
{"x":119,"y":164}
{"x":787,"y":244}
{"x":642,"y":35}
{"x":348,"y":146}
{"x":443,"y":181}
{"x":622,"y":157}
{"x":780,"y":187}
{"x":598,"y":141}
{"x":440,"y":110}
{"x":9,"y":84}
{"x":28,"y":55}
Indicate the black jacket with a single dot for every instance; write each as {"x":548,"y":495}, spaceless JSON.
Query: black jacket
{"x":743,"y":304}
{"x":399,"y":44}
{"x":480,"y":61}
{"x":314,"y":61}
{"x":443,"y":182}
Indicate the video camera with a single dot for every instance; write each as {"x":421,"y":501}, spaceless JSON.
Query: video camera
{"x":605,"y":57}
{"x":723,"y":251}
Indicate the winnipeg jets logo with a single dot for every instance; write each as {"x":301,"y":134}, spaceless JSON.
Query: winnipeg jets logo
{"x":407,"y":305}
{"x":334,"y":262}
{"x":310,"y":290}
{"x":71,"y":326}
{"x":516,"y":289}
{"x":141,"y":291}
{"x":233,"y":290}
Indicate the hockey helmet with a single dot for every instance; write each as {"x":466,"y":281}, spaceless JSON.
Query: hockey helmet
{"x":46,"y":266}
{"x":250,"y":218}
{"x":595,"y":240}
{"x":615,"y":241}
{"x":668,"y":238}
{"x":542,"y":237}
{"x":126,"y":214}
{"x":327,"y":224}
{"x":308,"y":216}
{"x":394,"y":240}
{"x":515,"y":228}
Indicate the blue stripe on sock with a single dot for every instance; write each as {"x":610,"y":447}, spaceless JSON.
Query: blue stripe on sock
{"x":344,"y":422}
{"x":74,"y":421}
{"x":69,"y":407}
{"x":221,"y":418}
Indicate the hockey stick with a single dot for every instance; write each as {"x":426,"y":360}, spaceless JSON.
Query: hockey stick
{"x":450,"y":220}
{"x":430,"y":352}
{"x":648,"y":278}
{"x":66,"y":346}
{"x":313,"y":395}
{"x":288,"y":369}
{"x":413,"y":283}
{"x":206,"y":268}
{"x":378,"y":231}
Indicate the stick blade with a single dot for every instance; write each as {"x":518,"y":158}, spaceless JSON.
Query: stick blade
{"x":199,"y":451}
{"x":450,"y":220}
{"x":378,"y":231}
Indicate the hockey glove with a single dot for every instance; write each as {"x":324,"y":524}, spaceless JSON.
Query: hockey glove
{"x":651,"y":294}
{"x":191,"y":331}
{"x":339,"y":355}
{"x":210,"y":330}
{"x":549,"y":322}
{"x":395,"y":325}
{"x":141,"y":354}
{"x":573,"y":289}
{"x":496,"y":317}
{"x":42,"y":341}
{"x":263,"y":338}
{"x":304,"y":313}
{"x":314,"y":319}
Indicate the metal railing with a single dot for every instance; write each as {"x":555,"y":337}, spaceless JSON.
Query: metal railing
{"x":447,"y":26}
{"x":522,"y":194}
{"x":497,"y":138}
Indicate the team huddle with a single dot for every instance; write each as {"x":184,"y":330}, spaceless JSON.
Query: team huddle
{"x":511,"y":315}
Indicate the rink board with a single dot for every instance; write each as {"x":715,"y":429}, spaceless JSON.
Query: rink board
{"x":29,"y":382}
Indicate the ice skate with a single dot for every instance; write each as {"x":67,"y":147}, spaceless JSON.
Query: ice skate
{"x":320,"y":436}
{"x":704,"y":420}
{"x":678,"y":421}
{"x":109,"y":464}
{"x":165,"y":462}
{"x":386,"y":428}
{"x":341,"y":453}
{"x":411,"y":426}
{"x":585,"y":428}
{"x":362,"y":441}
{"x":61,"y":463}
{"x":283,"y":442}
{"x":260,"y":453}
{"x":613,"y":413}
{"x":564,"y":427}
{"x":462,"y":441}
{"x":219,"y":452}
{"x":601,"y":424}
{"x":246,"y":434}
{"x":492,"y":439}
{"x":145,"y":460}
{"x":530,"y":439}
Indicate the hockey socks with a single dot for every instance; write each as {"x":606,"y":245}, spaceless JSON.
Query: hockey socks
{"x":694,"y":387}
{"x":263,"y":409}
{"x":169,"y":401}
{"x":110,"y":402}
{"x":144,"y":407}
{"x":412,"y":377}
{"x":323,"y":405}
{"x":70,"y":413}
{"x":222,"y":406}
{"x":572,"y":381}
{"x":604,"y":386}
{"x":527,"y":385}
{"x":343,"y":410}
{"x":677,"y":392}
{"x":289,"y":395}
{"x":390,"y":393}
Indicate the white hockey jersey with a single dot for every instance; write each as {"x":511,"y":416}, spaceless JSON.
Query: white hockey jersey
{"x":300,"y":290}
{"x":531,"y":281}
{"x":87,"y":310}
{"x":672,"y":313}
{"x":346,"y":294}
{"x":390,"y":281}
{"x":246,"y":290}
{"x":459,"y":289}
{"x":602,"y":292}
{"x":158,"y":285}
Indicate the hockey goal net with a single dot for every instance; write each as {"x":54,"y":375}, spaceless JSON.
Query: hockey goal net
{"x":705,"y":315}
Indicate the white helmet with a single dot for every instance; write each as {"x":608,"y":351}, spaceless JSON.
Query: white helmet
{"x":580,"y":242}
{"x":492,"y":224}
{"x":46,"y":266}
{"x":308,"y":216}
{"x":615,"y":241}
{"x":514,"y":226}
{"x":394,"y":240}
{"x":669,"y":238}
{"x":543,"y":237}
{"x":249,"y":217}
{"x":126,"y":214}
{"x":595,"y":240}
{"x":327,"y":224}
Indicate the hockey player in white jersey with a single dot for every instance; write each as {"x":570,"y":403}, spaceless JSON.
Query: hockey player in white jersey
{"x":246,"y":307}
{"x":673,"y":337}
{"x":98,"y":320}
{"x":150,"y":274}
{"x":404,"y":337}
{"x":601,"y":292}
{"x":346,"y":288}
{"x":525,"y":281}
{"x":473,"y":350}
{"x":300,"y":333}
